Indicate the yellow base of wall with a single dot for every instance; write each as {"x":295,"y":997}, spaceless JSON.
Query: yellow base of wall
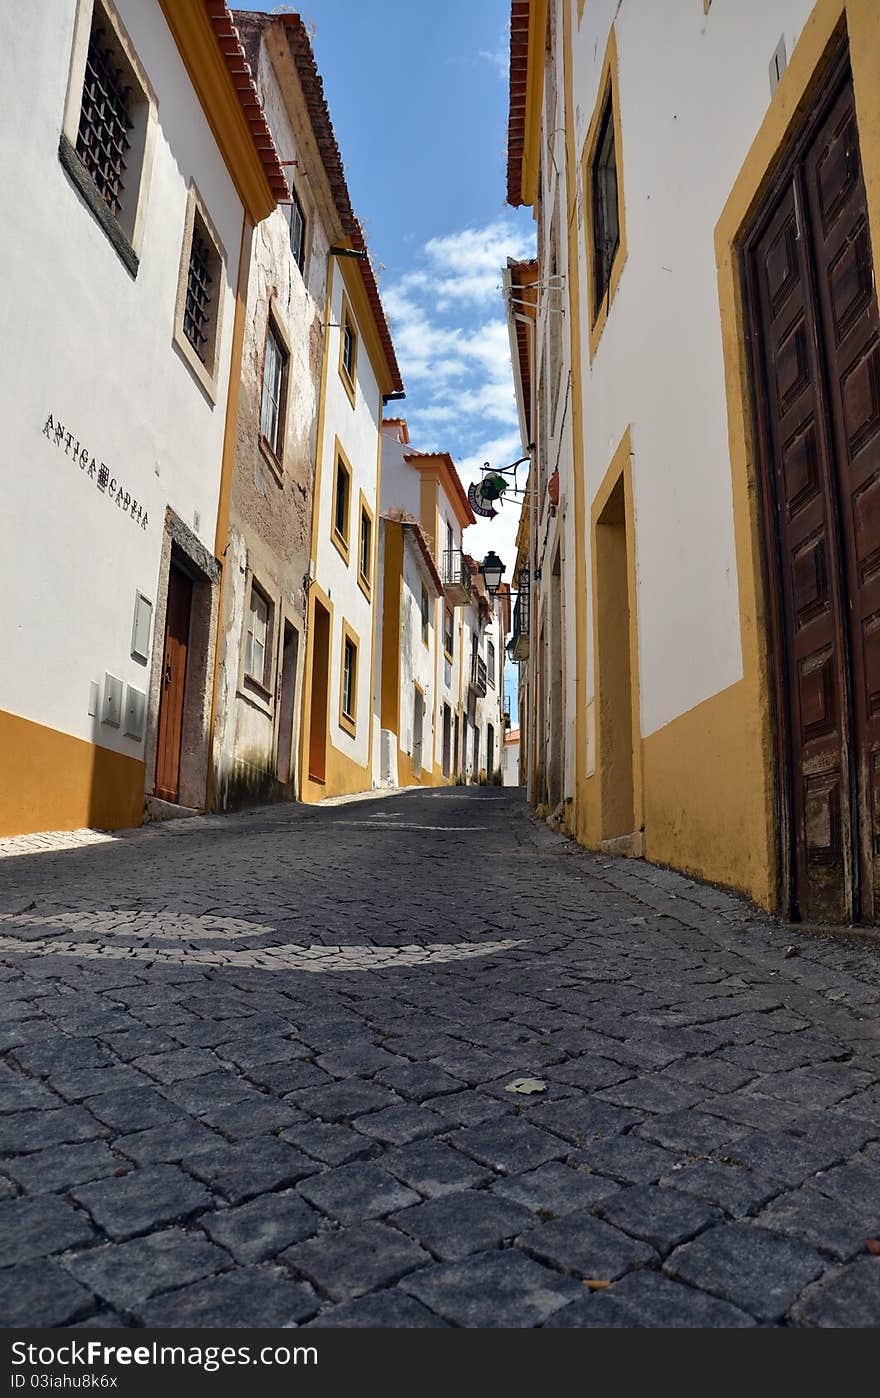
{"x":52,"y":781}
{"x":706,"y":795}
{"x":344,"y":777}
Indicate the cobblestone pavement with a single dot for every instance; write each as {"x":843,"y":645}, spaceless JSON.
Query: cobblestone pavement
{"x":258,"y":1070}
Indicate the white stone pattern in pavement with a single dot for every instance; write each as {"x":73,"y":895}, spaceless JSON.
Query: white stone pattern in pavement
{"x":51,"y":842}
{"x":129,"y":934}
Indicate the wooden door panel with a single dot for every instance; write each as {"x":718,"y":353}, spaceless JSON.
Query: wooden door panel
{"x":173,"y":685}
{"x":810,"y":606}
{"x":849,"y":325}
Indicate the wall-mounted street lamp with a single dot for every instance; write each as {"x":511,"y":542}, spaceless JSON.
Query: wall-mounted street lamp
{"x":348,"y":252}
{"x":492,"y":570}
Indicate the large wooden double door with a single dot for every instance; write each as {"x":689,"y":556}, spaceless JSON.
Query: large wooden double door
{"x":813,"y":320}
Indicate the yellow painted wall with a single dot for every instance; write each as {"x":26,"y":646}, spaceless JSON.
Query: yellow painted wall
{"x":51,"y":781}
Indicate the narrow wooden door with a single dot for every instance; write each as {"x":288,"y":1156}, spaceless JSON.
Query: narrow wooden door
{"x":173,"y":685}
{"x":814,"y":313}
{"x":418,"y":731}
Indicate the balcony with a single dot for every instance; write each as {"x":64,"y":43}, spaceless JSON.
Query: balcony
{"x":518,"y":645}
{"x":456,"y":576}
{"x":478,"y":682}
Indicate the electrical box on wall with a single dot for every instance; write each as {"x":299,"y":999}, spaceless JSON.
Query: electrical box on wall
{"x":111,"y":712}
{"x":141,"y":626}
{"x":135,"y":711}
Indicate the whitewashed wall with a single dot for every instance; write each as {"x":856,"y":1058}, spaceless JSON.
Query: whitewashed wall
{"x":358,"y":429}
{"x":659,"y":362}
{"x":86,"y":343}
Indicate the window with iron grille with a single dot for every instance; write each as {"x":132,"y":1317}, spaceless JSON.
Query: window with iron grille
{"x":297,"y":221}
{"x":200,"y":293}
{"x":105,"y":121}
{"x":274,"y":389}
{"x":606,"y":216}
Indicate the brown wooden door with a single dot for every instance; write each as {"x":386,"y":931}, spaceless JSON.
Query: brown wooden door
{"x":815,"y":315}
{"x":173,"y":685}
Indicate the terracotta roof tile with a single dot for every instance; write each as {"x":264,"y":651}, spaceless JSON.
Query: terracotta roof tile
{"x":229,"y":43}
{"x":516,"y":123}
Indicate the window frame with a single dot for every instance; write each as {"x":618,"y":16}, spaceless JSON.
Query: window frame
{"x":249,"y":678}
{"x":425,"y":614}
{"x":197,"y":219}
{"x":449,"y":650}
{"x":341,"y":541}
{"x":274,"y":453}
{"x":607,"y":97}
{"x":491,"y":662}
{"x":347,"y":321}
{"x":348,"y":721}
{"x":365,"y":580}
{"x":296,"y":203}
{"x":126,"y":230}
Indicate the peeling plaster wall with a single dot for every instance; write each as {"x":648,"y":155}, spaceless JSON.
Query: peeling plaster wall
{"x":271,"y":502}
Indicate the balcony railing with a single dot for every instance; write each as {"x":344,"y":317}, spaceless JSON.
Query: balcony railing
{"x":518,"y":646}
{"x":478,"y":675}
{"x":456,"y":576}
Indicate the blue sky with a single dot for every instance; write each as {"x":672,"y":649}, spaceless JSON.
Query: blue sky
{"x":418,"y":98}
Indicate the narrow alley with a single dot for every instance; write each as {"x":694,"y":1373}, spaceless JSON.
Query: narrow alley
{"x":507,"y":1084}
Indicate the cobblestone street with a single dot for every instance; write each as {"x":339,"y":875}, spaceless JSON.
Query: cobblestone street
{"x":258,"y":1071}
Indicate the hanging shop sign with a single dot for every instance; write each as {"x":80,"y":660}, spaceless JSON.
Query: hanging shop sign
{"x":97,"y":472}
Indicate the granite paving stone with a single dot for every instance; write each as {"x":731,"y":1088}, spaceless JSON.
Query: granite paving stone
{"x":756,"y":1270}
{"x":555,"y":1189}
{"x":357,"y":1191}
{"x":646,"y":1300}
{"x":735,"y":1189}
{"x":41,"y":1293}
{"x":626,"y":1158}
{"x":662,"y":1217}
{"x":434,"y":1168}
{"x":60,"y":1167}
{"x":126,"y":1274}
{"x":493,"y":1291}
{"x":263,"y":1227}
{"x":33,"y":1228}
{"x":586,"y":1247}
{"x":456,"y":1225}
{"x":264,"y":1297}
{"x":511,"y":1145}
{"x":844,"y":1299}
{"x":349,"y":1262}
{"x":143,"y":1199}
{"x":386,"y":1310}
{"x":243,"y":1169}
{"x":829,"y":1224}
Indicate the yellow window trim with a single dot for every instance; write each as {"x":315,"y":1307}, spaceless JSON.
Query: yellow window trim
{"x":581,"y":10}
{"x":365,"y":581}
{"x":341,"y":541}
{"x":608,"y":83}
{"x":346,"y":317}
{"x":348,"y":722}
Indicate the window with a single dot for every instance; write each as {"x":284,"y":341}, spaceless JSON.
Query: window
{"x":341,"y":503}
{"x":103,"y":143}
{"x":348,"y":680}
{"x":449,"y":632}
{"x":348,"y":350}
{"x":199,"y":294}
{"x":275,"y":361}
{"x":365,"y":551}
{"x":606,"y":225}
{"x":256,"y":649}
{"x":426,"y":614}
{"x":297,"y":221}
{"x":106,"y":140}
{"x":490,"y":662}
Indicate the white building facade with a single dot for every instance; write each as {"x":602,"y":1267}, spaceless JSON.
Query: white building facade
{"x":134,"y":216}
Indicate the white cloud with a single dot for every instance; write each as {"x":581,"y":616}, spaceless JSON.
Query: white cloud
{"x":450,"y":332}
{"x":499,"y":58}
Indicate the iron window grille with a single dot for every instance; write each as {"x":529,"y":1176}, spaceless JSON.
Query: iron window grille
{"x":606,"y":222}
{"x":102,"y":142}
{"x":199,"y":294}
